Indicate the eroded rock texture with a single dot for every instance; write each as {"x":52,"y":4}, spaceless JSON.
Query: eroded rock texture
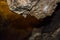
{"x":37,"y":8}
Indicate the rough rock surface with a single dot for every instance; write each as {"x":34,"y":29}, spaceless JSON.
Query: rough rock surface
{"x":37,"y":8}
